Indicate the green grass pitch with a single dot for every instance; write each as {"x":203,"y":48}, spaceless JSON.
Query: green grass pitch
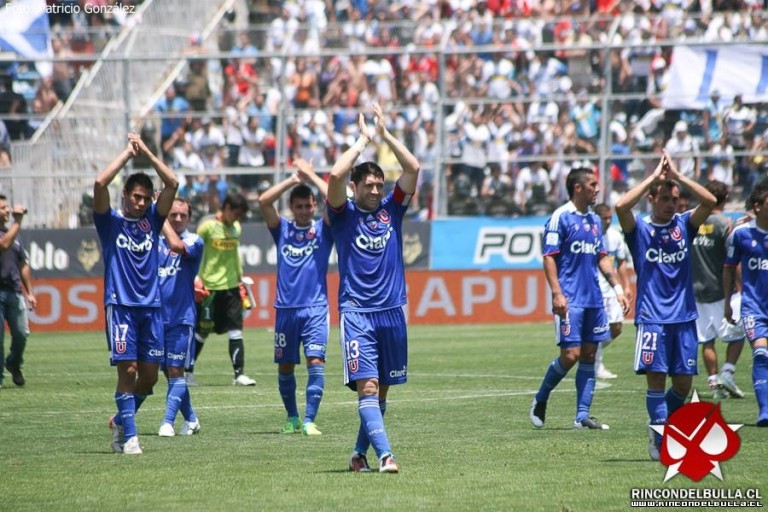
{"x":459,"y":428}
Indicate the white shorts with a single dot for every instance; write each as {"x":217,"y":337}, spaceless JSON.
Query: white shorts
{"x":613,"y":309}
{"x":711,"y":323}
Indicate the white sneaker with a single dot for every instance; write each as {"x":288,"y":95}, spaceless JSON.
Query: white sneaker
{"x":388,"y":464}
{"x":132,"y":446}
{"x":604,"y":373}
{"x":243,"y":380}
{"x":166,"y":430}
{"x":118,"y":435}
{"x":725,"y":381}
{"x":189,"y":428}
{"x":537,"y":413}
{"x":653,"y":448}
{"x":190,"y":378}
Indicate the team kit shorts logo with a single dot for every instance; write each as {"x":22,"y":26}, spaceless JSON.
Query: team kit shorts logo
{"x":353,"y":366}
{"x":696,"y":439}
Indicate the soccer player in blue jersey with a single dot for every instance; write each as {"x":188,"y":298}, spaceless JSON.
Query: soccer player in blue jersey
{"x":665,"y":309}
{"x":748,"y":245}
{"x":368,"y":233}
{"x":301,"y":316}
{"x":573,"y":253}
{"x":180,"y":255}
{"x":129,"y":239}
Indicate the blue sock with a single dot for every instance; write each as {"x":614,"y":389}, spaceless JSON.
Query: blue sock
{"x":315,"y":385}
{"x":126,"y":411}
{"x":177,"y":386}
{"x":552,"y":378}
{"x":362,"y":444}
{"x":760,"y":379}
{"x":674,"y":401}
{"x":286,"y":384}
{"x":187,"y":412}
{"x":373,"y":421}
{"x":585,"y":388}
{"x":656,"y":404}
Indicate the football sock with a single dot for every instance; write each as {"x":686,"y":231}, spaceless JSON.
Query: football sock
{"x":373,"y":421}
{"x":760,"y":377}
{"x":315,"y":385}
{"x":186,"y":409}
{"x":362,"y":444}
{"x":656,"y":404}
{"x":552,"y":378}
{"x":126,"y":411}
{"x":585,"y":388}
{"x":177,"y":387}
{"x":237,"y":355}
{"x":286,"y":385}
{"x":674,"y":401}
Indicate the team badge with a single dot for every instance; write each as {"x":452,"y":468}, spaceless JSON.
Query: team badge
{"x":647,"y":357}
{"x":311,"y":233}
{"x":565,"y":328}
{"x":121,"y":347}
{"x":676,"y":233}
{"x":353,"y":366}
{"x":383,"y":216}
{"x":144,"y":225}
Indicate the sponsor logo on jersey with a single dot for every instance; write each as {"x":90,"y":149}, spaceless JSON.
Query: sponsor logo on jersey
{"x":399,"y":373}
{"x":124,"y":242}
{"x":291,"y":251}
{"x":757,"y":263}
{"x":660,"y":256}
{"x":582,"y":247}
{"x":374,"y":243}
{"x":224,"y":244}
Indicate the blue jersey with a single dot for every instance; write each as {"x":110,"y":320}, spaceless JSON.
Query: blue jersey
{"x":662,"y":259}
{"x":370,"y":249}
{"x":748,"y":245}
{"x":130,"y":257}
{"x":302,"y":263}
{"x":177,"y":279}
{"x":575,"y":241}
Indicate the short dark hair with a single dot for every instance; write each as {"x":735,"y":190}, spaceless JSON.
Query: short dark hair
{"x":186,"y":202}
{"x":140,"y":179}
{"x":577,"y":175}
{"x":3,"y":197}
{"x":657,"y":185}
{"x":300,"y":191}
{"x":360,"y":171}
{"x":719,"y":190}
{"x":236,"y":201}
{"x":602,"y":208}
{"x":758,"y":195}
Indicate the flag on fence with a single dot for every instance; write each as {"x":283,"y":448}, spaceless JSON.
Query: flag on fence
{"x":25,"y":31}
{"x":697,"y":71}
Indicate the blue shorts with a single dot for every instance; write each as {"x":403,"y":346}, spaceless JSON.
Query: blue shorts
{"x":179,"y":346}
{"x":375,"y":346}
{"x":755,"y":327}
{"x":670,"y":349}
{"x":134,"y":334}
{"x":295,"y":327}
{"x":582,"y":325}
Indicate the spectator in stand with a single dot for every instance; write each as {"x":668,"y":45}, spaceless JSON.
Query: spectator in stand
{"x":244,"y":49}
{"x":314,"y":139}
{"x":739,"y":122}
{"x":713,"y":117}
{"x":13,"y":103}
{"x":198,"y":91}
{"x":173,"y":111}
{"x":304,"y":82}
{"x":684,"y":150}
{"x":721,"y":162}
{"x":586,"y":117}
{"x":474,"y":154}
{"x":5,"y":146}
{"x":532,"y":188}
{"x":63,"y":74}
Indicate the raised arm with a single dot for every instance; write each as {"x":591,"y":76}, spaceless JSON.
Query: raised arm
{"x":307,"y":174}
{"x":707,"y":200}
{"x":408,"y":162}
{"x":337,"y":184}
{"x":271,"y":195}
{"x":633,"y":196}
{"x":105,"y":177}
{"x":6,"y":241}
{"x":176,"y":244}
{"x":169,"y":179}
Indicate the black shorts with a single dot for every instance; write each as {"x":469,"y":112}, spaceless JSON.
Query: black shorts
{"x":220,"y":312}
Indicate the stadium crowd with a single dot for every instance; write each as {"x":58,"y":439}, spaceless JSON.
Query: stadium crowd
{"x":518,"y":113}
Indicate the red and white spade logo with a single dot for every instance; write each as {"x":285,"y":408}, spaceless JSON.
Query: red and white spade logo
{"x":696,"y":439}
